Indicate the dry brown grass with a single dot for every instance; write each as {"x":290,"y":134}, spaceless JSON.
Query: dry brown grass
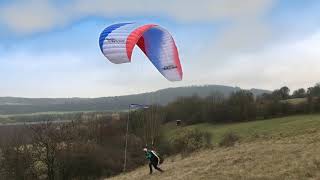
{"x":295,"y":158}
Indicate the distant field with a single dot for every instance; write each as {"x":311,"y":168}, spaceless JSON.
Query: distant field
{"x":34,"y":114}
{"x":280,"y":148}
{"x":47,"y":113}
{"x":296,"y":100}
{"x":37,"y":117}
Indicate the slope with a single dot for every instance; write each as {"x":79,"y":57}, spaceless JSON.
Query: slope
{"x":281,"y":148}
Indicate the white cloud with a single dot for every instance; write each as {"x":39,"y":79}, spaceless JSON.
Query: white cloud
{"x":295,"y":64}
{"x":28,"y":16}
{"x":185,"y":10}
{"x":243,"y":36}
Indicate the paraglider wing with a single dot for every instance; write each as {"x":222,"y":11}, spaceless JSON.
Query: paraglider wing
{"x":117,"y":42}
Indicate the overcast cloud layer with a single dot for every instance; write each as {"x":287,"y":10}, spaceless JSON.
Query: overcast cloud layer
{"x":247,"y":43}
{"x":28,"y":16}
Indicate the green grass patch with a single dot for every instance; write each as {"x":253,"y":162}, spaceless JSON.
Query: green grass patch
{"x":285,"y":126}
{"x":295,"y":101}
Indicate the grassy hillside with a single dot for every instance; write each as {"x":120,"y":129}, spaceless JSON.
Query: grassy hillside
{"x":282,"y":127}
{"x":280,"y":148}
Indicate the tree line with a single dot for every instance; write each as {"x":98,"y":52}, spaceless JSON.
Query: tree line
{"x":72,"y":150}
{"x":242,"y":105}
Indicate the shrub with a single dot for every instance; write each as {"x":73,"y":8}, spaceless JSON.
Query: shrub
{"x":229,"y":139}
{"x":189,"y":140}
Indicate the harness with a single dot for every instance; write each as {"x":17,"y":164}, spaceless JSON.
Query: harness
{"x":155,"y":154}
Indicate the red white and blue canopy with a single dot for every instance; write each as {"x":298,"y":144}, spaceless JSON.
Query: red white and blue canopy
{"x":118,"y":40}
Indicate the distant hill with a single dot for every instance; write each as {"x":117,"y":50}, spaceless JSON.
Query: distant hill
{"x":17,"y":105}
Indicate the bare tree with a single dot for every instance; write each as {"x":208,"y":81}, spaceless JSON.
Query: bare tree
{"x":48,"y":139}
{"x":16,"y":157}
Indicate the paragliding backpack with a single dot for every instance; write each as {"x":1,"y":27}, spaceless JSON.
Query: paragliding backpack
{"x":160,"y":158}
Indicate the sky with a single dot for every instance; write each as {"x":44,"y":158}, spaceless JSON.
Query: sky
{"x":49,"y":48}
